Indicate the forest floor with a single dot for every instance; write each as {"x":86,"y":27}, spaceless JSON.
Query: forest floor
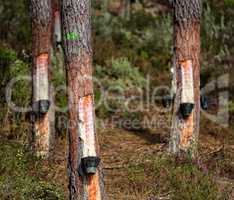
{"x":138,"y":167}
{"x":136,"y":164}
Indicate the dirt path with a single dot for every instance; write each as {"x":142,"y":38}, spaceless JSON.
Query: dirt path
{"x":120,"y":149}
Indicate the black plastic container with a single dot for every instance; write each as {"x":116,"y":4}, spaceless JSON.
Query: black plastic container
{"x":90,"y":164}
{"x":41,"y":107}
{"x":186,"y":109}
{"x":167,"y":101}
{"x":204,"y":102}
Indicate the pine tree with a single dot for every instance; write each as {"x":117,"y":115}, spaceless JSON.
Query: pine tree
{"x":41,"y":18}
{"x":85,"y":179}
{"x":186,"y":111}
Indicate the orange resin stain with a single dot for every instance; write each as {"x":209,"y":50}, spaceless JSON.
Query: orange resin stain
{"x":43,"y":61}
{"x":186,"y":64}
{"x":43,"y":124}
{"x":187,"y":132}
{"x":93,"y":187}
{"x":42,"y":133}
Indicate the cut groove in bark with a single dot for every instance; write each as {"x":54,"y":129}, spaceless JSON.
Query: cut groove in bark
{"x":42,"y":128}
{"x":41,"y":78}
{"x":187,"y":95}
{"x":86,"y":126}
{"x":93,"y":188}
{"x":186,"y":133}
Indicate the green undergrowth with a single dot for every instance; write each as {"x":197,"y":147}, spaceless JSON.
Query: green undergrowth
{"x":115,"y":84}
{"x":178,"y":180}
{"x":21,"y":175}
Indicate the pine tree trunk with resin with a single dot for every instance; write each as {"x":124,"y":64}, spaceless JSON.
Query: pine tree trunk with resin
{"x":57,"y":34}
{"x":125,"y":9}
{"x":85,"y":176}
{"x":186,"y":63}
{"x":41,"y":17}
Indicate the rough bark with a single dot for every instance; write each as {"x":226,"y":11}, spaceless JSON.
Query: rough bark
{"x":125,"y":9}
{"x":76,"y":37}
{"x":41,"y":18}
{"x":187,"y":16}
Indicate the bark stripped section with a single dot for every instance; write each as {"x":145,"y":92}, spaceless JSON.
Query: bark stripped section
{"x":86,"y":125}
{"x":78,"y":59}
{"x":187,"y":95}
{"x":56,"y":24}
{"x":41,"y":17}
{"x":187,"y":16}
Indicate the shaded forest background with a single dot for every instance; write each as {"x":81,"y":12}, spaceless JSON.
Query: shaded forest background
{"x":126,"y":50}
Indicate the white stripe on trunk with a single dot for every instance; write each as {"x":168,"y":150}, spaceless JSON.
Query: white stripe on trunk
{"x":187,"y":93}
{"x":41,"y":79}
{"x":57,"y":27}
{"x":86,"y":125}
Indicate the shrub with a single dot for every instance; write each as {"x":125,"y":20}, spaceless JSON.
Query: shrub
{"x":118,"y":82}
{"x":20,"y":175}
{"x":178,"y":180}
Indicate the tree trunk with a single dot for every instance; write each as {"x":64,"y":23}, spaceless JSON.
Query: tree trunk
{"x":125,"y":9}
{"x":57,"y":35}
{"x":83,"y":145}
{"x":186,"y":111}
{"x":41,"y":16}
{"x":58,"y":63}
